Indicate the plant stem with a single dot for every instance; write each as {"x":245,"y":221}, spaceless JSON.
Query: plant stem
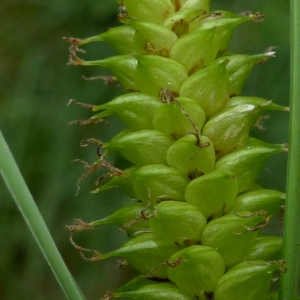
{"x":292,"y":214}
{"x":35,"y":222}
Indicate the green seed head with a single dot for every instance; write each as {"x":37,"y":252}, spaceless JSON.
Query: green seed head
{"x":154,"y":73}
{"x":179,"y":116}
{"x":153,"y":39}
{"x":121,"y":39}
{"x":134,"y":109}
{"x":254,"y":200}
{"x":199,"y":211}
{"x":156,"y":11}
{"x":209,"y":87}
{"x":229,"y":129}
{"x":122,"y":66}
{"x":239,"y":67}
{"x":195,"y":57}
{"x":192,"y":4}
{"x":192,"y":156}
{"x":237,"y":230}
{"x":178,"y":222}
{"x":146,"y":253}
{"x":146,"y":289}
{"x":196,"y":270}
{"x":122,"y":181}
{"x":247,"y":280}
{"x":129,"y":218}
{"x":213,"y":193}
{"x":185,"y":20}
{"x":225,"y":23}
{"x":159,"y":182}
{"x":266,"y":248}
{"x":247,"y":163}
{"x":142,"y":147}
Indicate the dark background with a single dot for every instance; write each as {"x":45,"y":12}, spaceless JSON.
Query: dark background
{"x":35,"y":86}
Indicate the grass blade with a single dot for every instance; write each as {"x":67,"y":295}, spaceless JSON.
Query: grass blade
{"x":289,"y":281}
{"x":35,"y":222}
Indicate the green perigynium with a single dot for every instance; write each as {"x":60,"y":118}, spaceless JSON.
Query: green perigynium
{"x":195,"y":230}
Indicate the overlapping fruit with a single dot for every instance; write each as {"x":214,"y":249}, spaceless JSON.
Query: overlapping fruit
{"x":195,"y":226}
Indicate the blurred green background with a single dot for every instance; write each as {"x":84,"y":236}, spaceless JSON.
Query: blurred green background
{"x":35,"y":86}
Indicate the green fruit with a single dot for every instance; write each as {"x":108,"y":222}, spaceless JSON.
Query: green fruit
{"x":209,"y":87}
{"x":134,"y":109}
{"x":196,"y":270}
{"x":247,"y":163}
{"x":152,"y":38}
{"x":213,"y":193}
{"x":122,"y":66}
{"x":159,"y":182}
{"x":122,"y":181}
{"x":247,"y":280}
{"x":224,"y":22}
{"x":129,"y":218}
{"x":186,"y":20}
{"x":265,"y":248}
{"x":156,"y":11}
{"x":239,"y":67}
{"x":178,"y":222}
{"x":229,"y":129}
{"x":192,"y":4}
{"x":146,"y":253}
{"x":144,"y":147}
{"x":195,"y":57}
{"x":154,"y":73}
{"x":256,"y":101}
{"x":192,"y":156}
{"x":122,"y":33}
{"x":146,"y":289}
{"x":185,"y":111}
{"x":233,"y":235}
{"x":269,"y":200}
{"x":112,"y":37}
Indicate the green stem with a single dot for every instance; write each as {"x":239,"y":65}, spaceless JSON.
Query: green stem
{"x":288,"y":282}
{"x":35,"y":222}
